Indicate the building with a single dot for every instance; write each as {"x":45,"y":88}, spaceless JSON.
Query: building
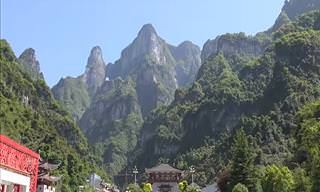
{"x":164,"y":178}
{"x":211,"y":188}
{"x":18,"y":167}
{"x":98,"y":184}
{"x":46,"y":182}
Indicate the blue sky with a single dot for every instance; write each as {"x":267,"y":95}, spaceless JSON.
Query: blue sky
{"x":63,"y":31}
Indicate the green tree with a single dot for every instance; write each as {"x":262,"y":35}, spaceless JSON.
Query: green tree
{"x":301,"y":181}
{"x":278,"y":179}
{"x":147,"y":187}
{"x":134,"y":188}
{"x":183,"y":186}
{"x":308,"y":140}
{"x":242,"y":162}
{"x":240,"y":188}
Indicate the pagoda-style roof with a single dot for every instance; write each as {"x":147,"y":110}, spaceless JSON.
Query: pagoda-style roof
{"x":48,"y":166}
{"x":48,"y":179}
{"x":163,"y":168}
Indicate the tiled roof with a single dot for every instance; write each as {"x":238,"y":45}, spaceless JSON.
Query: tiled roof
{"x":163,"y":168}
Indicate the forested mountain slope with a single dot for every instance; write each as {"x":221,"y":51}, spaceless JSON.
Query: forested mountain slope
{"x":31,"y":116}
{"x":262,"y":96}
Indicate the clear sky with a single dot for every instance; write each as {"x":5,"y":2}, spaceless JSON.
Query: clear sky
{"x":63,"y":31}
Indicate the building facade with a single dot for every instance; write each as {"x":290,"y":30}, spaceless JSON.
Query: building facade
{"x":46,"y":181}
{"x":18,"y":167}
{"x":164,"y":178}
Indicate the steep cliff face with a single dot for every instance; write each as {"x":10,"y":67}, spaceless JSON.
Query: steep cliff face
{"x":112,"y":123}
{"x":238,"y":49}
{"x":156,"y":67}
{"x":234,"y":44}
{"x":73,"y":94}
{"x":188,"y":61}
{"x":150,"y":63}
{"x":291,"y":10}
{"x":146,"y":76}
{"x":95,"y":73}
{"x":147,"y":45}
{"x":30,"y":63}
{"x":76,"y":93}
{"x":294,"y":8}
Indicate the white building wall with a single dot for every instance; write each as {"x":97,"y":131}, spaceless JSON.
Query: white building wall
{"x":8,"y":178}
{"x":45,"y":188}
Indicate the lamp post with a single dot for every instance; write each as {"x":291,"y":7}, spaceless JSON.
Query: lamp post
{"x":192,"y":171}
{"x":135,"y":172}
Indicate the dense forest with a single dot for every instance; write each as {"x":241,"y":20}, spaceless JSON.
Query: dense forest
{"x":31,"y":116}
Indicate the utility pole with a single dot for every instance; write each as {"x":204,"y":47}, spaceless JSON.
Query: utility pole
{"x":135,"y":172}
{"x":192,"y":171}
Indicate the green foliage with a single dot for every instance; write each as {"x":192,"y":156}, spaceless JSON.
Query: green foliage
{"x":73,"y":95}
{"x":204,"y":159}
{"x":278,"y":179}
{"x":133,"y":188}
{"x":234,"y":90}
{"x":308,"y":139}
{"x":31,"y":116}
{"x":242,"y":162}
{"x":113,"y":129}
{"x":302,"y":181}
{"x":219,"y":82}
{"x":183,"y":186}
{"x":240,"y":188}
{"x":147,"y":187}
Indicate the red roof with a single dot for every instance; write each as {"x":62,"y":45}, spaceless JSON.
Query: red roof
{"x":13,"y":144}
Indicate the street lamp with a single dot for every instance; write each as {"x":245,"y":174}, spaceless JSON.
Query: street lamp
{"x":135,"y":172}
{"x":192,"y":171}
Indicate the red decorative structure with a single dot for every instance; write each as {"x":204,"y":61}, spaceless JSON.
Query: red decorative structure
{"x":18,"y":159}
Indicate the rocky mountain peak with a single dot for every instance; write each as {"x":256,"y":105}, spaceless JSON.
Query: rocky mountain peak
{"x":293,"y":8}
{"x":147,"y":30}
{"x":29,"y":60}
{"x":95,"y":73}
{"x":95,"y":58}
{"x":148,"y":42}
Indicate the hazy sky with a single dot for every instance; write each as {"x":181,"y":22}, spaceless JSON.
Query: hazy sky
{"x":63,"y":31}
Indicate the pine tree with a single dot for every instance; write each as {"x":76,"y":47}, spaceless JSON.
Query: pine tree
{"x":242,"y":162}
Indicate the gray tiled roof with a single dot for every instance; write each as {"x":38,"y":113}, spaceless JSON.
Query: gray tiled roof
{"x":163,"y":168}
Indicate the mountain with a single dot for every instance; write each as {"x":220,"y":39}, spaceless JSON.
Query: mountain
{"x":243,"y":83}
{"x":235,"y":44}
{"x":112,"y":123}
{"x":30,"y":63}
{"x":157,"y":67}
{"x":31,"y":116}
{"x":146,"y":76}
{"x":76,"y":93}
{"x":294,"y":8}
{"x":188,"y":61}
{"x":291,"y":10}
{"x":95,"y":73}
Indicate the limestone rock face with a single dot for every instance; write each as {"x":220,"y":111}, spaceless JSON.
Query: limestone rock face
{"x":29,"y":61}
{"x":188,"y":61}
{"x":147,"y":47}
{"x":76,"y":92}
{"x":95,"y":72}
{"x":110,"y":102}
{"x":231,"y":44}
{"x":293,"y":8}
{"x":210,"y":47}
{"x":149,"y":62}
